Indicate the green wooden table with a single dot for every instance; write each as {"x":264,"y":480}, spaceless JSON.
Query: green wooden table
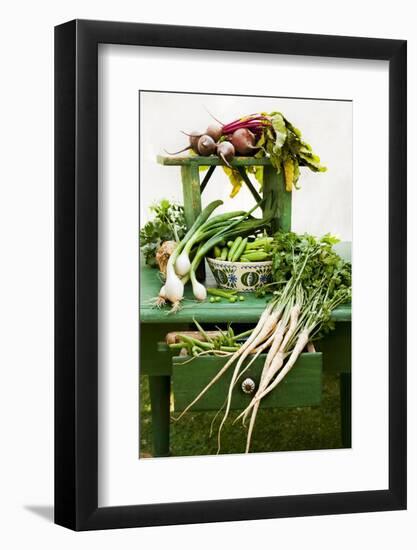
{"x":156,"y":361}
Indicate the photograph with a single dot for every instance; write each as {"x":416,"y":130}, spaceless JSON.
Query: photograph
{"x":245,"y":245}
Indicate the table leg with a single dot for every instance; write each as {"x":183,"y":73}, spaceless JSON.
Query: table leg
{"x":278,"y":199}
{"x":159,"y":389}
{"x":190,"y":177}
{"x":346,"y":408}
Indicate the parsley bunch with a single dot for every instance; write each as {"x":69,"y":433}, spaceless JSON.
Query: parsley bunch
{"x":324,"y":277}
{"x":168,"y":224}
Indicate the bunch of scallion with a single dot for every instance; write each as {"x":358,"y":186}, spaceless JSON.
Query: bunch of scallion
{"x":311,"y":281}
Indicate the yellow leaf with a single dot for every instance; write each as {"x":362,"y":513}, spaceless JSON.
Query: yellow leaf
{"x":289,"y":174}
{"x":236,"y":189}
{"x":235,"y":179}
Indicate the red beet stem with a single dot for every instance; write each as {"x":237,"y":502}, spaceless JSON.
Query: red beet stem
{"x":253,"y":126}
{"x":251,"y":123}
{"x":247,"y":117}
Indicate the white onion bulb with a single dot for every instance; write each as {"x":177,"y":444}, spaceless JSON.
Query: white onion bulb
{"x":174,"y":289}
{"x":183,"y":264}
{"x":199,"y":290}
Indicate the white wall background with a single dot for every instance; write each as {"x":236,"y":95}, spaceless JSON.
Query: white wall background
{"x":26,"y":277}
{"x":322,"y":204}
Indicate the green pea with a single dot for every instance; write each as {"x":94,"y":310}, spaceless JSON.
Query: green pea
{"x":232,"y":299}
{"x":212,"y":299}
{"x":241,"y":298}
{"x":217,"y":299}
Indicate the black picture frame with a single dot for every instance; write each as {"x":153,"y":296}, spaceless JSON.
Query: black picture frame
{"x":76,"y":271}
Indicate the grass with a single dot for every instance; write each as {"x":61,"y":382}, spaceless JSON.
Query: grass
{"x":293,"y":429}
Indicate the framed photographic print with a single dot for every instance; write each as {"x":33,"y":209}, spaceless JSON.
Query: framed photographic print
{"x":230,"y":275}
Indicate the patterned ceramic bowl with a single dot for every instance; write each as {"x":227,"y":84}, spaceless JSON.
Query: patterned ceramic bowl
{"x":241,"y":276}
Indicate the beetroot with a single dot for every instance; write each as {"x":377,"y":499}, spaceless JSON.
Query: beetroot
{"x":194,"y":137}
{"x":243,"y":141}
{"x":206,"y":145}
{"x":226,"y":151}
{"x":215,"y":131}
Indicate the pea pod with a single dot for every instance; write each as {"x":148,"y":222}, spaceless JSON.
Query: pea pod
{"x":223,"y":293}
{"x":257,"y":256}
{"x":233,"y":248}
{"x":239,"y":251}
{"x":259,"y":243}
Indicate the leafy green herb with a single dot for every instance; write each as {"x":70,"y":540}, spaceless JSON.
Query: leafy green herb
{"x":320,"y":271}
{"x":168,"y":224}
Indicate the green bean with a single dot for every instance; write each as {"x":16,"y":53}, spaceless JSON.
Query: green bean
{"x":194,"y":342}
{"x":178,"y":345}
{"x":234,"y":248}
{"x":196,"y":350}
{"x":223,"y":293}
{"x":259,"y":243}
{"x":224,"y":254}
{"x":257,"y":256}
{"x":243,"y":335}
{"x":239,"y":250}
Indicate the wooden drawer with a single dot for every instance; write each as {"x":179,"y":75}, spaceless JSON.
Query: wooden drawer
{"x":301,"y":387}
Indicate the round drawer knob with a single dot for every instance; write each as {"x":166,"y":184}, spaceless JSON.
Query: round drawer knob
{"x":248,"y":385}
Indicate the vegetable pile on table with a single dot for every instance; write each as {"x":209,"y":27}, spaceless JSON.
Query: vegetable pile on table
{"x":311,"y":280}
{"x":260,"y":135}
